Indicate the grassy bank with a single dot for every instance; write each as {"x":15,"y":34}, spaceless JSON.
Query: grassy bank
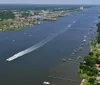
{"x":89,"y":69}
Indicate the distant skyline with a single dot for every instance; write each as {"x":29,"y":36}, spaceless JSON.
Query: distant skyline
{"x":50,"y":2}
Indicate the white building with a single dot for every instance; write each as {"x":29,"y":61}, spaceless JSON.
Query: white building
{"x":81,"y":8}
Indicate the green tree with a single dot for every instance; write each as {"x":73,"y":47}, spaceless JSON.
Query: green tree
{"x":91,"y":80}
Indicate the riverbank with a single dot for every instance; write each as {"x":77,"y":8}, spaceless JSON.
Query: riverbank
{"x":89,"y":68}
{"x":15,"y":24}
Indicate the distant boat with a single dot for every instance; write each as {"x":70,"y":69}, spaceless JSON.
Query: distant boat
{"x":84,"y":40}
{"x":63,"y":60}
{"x":74,"y":21}
{"x":46,"y":83}
{"x":88,"y":33}
{"x":82,"y":44}
{"x":85,"y":36}
{"x":13,"y":40}
{"x":30,"y":35}
{"x":80,"y":48}
{"x":69,"y":25}
{"x":79,"y":57}
{"x":69,"y":59}
{"x":73,"y":53}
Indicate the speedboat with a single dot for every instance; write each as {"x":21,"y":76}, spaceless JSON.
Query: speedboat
{"x":46,"y":83}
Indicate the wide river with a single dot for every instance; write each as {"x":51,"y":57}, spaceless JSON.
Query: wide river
{"x":50,"y":42}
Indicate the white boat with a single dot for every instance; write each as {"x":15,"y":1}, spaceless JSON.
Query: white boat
{"x":13,"y":40}
{"x":84,"y":40}
{"x":69,"y":25}
{"x":11,"y":58}
{"x":73,"y":53}
{"x":63,"y":60}
{"x":85,"y":36}
{"x":46,"y":83}
{"x":69,"y":59}
{"x":79,"y":57}
{"x":74,"y":21}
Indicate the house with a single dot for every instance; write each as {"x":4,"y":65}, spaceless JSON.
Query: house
{"x":98,"y":78}
{"x":97,"y":65}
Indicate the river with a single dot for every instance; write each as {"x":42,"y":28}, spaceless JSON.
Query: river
{"x":36,"y":66}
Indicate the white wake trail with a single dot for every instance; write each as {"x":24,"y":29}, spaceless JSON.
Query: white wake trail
{"x":38,"y":45}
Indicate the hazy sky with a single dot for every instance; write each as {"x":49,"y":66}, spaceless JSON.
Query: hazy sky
{"x":52,"y":1}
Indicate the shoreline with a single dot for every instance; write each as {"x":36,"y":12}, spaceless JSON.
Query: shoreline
{"x":92,"y":53}
{"x":82,"y":82}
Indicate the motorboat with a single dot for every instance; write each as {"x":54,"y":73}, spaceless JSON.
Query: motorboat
{"x":84,"y":40}
{"x":79,"y":57}
{"x":46,"y":83}
{"x":63,"y":60}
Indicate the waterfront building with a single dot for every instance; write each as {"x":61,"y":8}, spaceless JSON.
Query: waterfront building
{"x":81,"y":8}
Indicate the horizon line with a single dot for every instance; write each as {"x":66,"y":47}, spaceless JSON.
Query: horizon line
{"x":42,"y":4}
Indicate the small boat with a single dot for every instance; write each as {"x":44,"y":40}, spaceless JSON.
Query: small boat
{"x":69,"y":25}
{"x":13,"y":40}
{"x":69,"y":59}
{"x":85,"y":36}
{"x":84,"y":40}
{"x":46,"y":83}
{"x":82,"y":44}
{"x":63,"y":60}
{"x":88,"y":33}
{"x":73,"y":53}
{"x":80,"y":48}
{"x":74,"y":21}
{"x":79,"y":57}
{"x":86,"y":43}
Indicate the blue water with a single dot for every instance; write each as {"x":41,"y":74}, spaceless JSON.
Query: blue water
{"x":35,"y":67}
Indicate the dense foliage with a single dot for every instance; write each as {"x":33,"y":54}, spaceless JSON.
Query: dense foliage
{"x":6,"y":15}
{"x":98,"y":32}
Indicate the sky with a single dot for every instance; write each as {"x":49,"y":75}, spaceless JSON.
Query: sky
{"x":50,"y":1}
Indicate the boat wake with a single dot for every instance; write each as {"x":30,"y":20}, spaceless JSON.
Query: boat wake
{"x":38,"y":45}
